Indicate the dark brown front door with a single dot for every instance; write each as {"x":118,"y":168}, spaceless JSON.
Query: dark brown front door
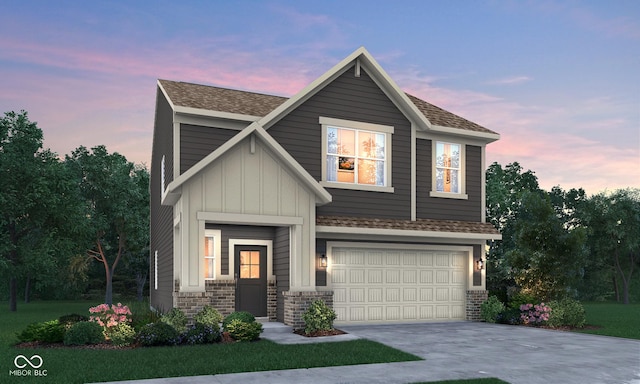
{"x":251,"y":275}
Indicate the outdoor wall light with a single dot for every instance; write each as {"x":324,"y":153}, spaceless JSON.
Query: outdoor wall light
{"x":323,"y":260}
{"x":480,"y":264}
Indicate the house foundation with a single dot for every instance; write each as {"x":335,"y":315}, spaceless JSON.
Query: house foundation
{"x":296,"y":303}
{"x":475,"y":299}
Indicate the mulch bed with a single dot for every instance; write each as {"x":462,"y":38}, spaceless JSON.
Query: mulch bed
{"x":332,"y":332}
{"x":40,"y":345}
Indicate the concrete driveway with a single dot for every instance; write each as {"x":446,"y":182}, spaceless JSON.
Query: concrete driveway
{"x":461,"y":350}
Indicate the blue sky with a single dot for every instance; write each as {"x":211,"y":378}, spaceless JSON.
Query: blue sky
{"x":560,"y":81}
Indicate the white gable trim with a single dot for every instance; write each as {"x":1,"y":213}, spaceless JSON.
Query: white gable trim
{"x":173,"y":191}
{"x":384,"y":81}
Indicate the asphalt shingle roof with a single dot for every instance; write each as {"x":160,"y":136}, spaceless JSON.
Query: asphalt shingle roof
{"x":427,"y":225}
{"x":258,"y":104}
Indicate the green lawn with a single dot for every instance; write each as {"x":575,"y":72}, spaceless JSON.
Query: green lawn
{"x":82,"y":365}
{"x":614,"y":319}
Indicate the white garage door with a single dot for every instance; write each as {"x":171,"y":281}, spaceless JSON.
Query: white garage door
{"x":397,"y":285}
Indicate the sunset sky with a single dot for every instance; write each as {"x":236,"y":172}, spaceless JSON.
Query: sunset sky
{"x":560,"y":81}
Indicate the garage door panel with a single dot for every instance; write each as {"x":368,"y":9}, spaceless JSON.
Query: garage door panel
{"x":338,"y":276}
{"x":409,"y":277}
{"x":442,"y":294}
{"x":410,"y":312}
{"x":442,"y":277}
{"x":357,"y":295}
{"x":376,"y":313}
{"x":426,"y":277}
{"x":426,"y":312}
{"x":392,"y":295}
{"x":375,"y":276}
{"x":356,"y":276}
{"x":397,"y":285}
{"x":375,"y":295}
{"x":393,"y":276}
{"x":426,"y":294}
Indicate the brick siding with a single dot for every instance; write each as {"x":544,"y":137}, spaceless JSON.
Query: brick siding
{"x":296,"y":303}
{"x":474,"y":300}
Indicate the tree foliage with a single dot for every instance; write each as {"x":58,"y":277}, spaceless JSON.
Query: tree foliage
{"x":116,"y":201}
{"x":38,"y":210}
{"x":547,"y":258}
{"x":560,"y":243}
{"x":613,"y":221}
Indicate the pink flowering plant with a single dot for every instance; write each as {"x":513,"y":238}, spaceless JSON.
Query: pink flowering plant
{"x":537,"y":314}
{"x":109,"y":317}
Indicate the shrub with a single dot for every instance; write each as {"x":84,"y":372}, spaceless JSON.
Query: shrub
{"x":69,"y":320}
{"x":158,"y":334}
{"x":318,"y":317}
{"x":490,"y":309}
{"x":244,"y":331}
{"x":521,"y":298}
{"x":509,"y":316}
{"x":122,"y":334}
{"x":110,"y":316}
{"x":242,"y":316}
{"x":567,"y":312}
{"x":144,"y":316}
{"x":537,"y":314}
{"x":175,"y":318}
{"x":208,"y":316}
{"x":201,"y":334}
{"x":47,"y":332}
{"x":84,"y":332}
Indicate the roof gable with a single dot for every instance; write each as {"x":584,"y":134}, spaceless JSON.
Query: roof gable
{"x":173,"y":191}
{"x":268,"y":109}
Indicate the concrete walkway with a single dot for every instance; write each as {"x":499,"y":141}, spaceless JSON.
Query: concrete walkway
{"x":459,"y":350}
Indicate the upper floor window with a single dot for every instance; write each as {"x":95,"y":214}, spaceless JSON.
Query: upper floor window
{"x":449,"y":170}
{"x":356,"y":155}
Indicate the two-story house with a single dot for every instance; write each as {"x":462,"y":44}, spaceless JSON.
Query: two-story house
{"x":351,"y":191}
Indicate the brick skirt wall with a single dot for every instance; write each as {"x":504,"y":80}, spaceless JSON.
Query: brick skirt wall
{"x":221,"y":295}
{"x":474,"y":300}
{"x":296,"y":303}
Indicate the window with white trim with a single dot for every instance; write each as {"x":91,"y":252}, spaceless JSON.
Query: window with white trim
{"x":209,"y":255}
{"x":356,"y":155}
{"x":447,"y":167}
{"x":448,"y":176}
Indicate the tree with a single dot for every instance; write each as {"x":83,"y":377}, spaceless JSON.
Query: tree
{"x":504,"y":190}
{"x":547,"y":258}
{"x":614,"y":235}
{"x":37,"y":206}
{"x":116,"y":199}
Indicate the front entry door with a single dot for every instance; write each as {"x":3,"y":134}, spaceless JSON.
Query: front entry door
{"x":251,"y":275}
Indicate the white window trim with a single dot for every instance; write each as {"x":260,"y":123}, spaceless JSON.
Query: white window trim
{"x":267,"y":243}
{"x":359,"y":126}
{"x":217,"y":249}
{"x":462,"y":195}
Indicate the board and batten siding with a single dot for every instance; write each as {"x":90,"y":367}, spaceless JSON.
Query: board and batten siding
{"x":281,"y":265}
{"x":356,"y":99}
{"x":443,"y":208}
{"x":196,"y":142}
{"x":246,"y":180}
{"x":161,"y":217}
